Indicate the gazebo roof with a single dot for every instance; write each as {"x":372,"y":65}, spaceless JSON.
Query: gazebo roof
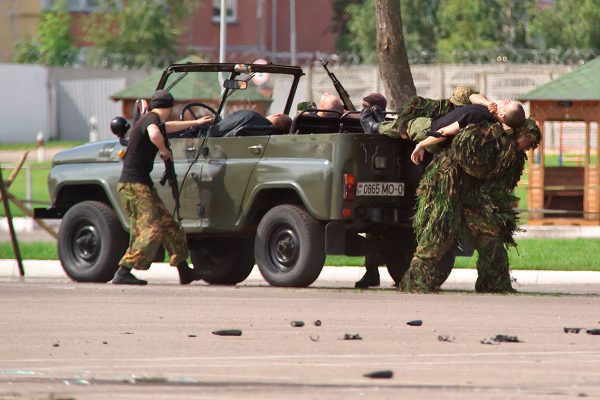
{"x":197,"y":87}
{"x":581,"y":84}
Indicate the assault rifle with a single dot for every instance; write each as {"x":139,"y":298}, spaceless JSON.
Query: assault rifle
{"x":339,"y":88}
{"x":169,"y":174}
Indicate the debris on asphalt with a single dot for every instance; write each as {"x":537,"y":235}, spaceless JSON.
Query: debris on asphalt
{"x":571,"y":330}
{"x":56,"y":344}
{"x":297,"y":324}
{"x":126,"y":333}
{"x":506,"y":339}
{"x":228,"y":332}
{"x":317,"y":322}
{"x":416,"y":322}
{"x":191,"y":335}
{"x":593,"y":331}
{"x":314,"y":338}
{"x":352,"y":336}
{"x":488,"y":341}
{"x":104,"y":342}
{"x":383,"y":374}
{"x":500,"y":339}
{"x":446,"y":338}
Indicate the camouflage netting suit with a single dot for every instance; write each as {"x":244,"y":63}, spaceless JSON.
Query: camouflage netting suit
{"x":466,"y":192}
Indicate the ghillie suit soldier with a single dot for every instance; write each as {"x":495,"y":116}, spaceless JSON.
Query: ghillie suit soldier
{"x":466,"y":192}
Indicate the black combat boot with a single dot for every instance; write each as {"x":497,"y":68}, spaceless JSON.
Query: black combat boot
{"x":123,"y":276}
{"x":368,"y":121}
{"x":370,"y":278}
{"x":187,"y":274}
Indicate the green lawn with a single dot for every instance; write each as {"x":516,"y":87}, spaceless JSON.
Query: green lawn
{"x":533,"y":254}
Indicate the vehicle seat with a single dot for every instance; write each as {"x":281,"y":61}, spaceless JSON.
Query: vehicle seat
{"x":350,"y":122}
{"x":309,"y":122}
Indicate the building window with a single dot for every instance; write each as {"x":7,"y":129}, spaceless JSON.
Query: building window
{"x":230,"y":13}
{"x":74,"y":5}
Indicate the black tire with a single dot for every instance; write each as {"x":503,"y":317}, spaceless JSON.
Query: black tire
{"x":289,"y":247}
{"x":398,"y":260}
{"x":91,"y":241}
{"x":223,"y":261}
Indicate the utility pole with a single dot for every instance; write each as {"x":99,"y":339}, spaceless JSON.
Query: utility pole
{"x":293,"y":57}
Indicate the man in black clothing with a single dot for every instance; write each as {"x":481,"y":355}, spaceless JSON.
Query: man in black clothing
{"x":150,"y":223}
{"x":228,"y":125}
{"x":510,"y":113}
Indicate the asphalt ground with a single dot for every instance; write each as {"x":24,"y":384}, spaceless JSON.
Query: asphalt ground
{"x":63,"y":340}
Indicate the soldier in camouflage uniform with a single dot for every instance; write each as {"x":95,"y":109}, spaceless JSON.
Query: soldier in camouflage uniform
{"x":150,"y":222}
{"x":466,"y":192}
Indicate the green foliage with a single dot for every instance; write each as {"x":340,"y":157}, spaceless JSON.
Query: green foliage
{"x":361,"y":27}
{"x":53,"y":44}
{"x":139,"y":33}
{"x":569,"y":24}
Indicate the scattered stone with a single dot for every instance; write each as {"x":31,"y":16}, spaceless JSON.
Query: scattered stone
{"x":104,"y":342}
{"x":383,"y":374}
{"x":352,"y":336}
{"x":317,"y":322}
{"x":445,"y":338}
{"x":228,"y":332}
{"x":593,"y":331}
{"x":416,"y":322}
{"x":126,"y":333}
{"x":191,"y":335}
{"x":571,"y":330}
{"x":314,"y":338}
{"x":297,"y":324}
{"x":56,"y":344}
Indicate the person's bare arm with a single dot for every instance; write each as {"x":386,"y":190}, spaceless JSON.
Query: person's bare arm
{"x":481,"y":99}
{"x":419,"y":151}
{"x":157,"y":139}
{"x":176,"y":126}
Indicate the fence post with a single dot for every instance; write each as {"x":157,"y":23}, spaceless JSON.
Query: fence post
{"x":13,"y":236}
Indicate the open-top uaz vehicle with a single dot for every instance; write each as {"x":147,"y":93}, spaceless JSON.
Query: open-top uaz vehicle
{"x":281,"y":201}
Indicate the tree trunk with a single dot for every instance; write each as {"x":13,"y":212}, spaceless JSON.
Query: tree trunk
{"x":391,"y":53}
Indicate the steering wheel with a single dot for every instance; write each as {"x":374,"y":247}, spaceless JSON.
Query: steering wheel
{"x":188,"y":107}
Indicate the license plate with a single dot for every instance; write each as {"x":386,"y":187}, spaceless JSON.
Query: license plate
{"x":380,"y":189}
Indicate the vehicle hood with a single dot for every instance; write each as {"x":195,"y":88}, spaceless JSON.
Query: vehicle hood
{"x":103,"y":151}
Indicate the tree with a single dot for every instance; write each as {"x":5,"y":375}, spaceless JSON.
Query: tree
{"x":138,"y":33}
{"x":568,"y":24}
{"x":360,"y":36}
{"x":53,"y":44}
{"x":391,"y":53}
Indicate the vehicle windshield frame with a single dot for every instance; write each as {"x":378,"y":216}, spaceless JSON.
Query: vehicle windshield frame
{"x":235,"y":70}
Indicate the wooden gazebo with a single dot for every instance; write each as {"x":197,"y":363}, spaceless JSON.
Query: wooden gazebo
{"x":566,"y":194}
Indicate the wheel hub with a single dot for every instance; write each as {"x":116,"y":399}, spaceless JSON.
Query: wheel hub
{"x":285,"y":249}
{"x":86,"y":244}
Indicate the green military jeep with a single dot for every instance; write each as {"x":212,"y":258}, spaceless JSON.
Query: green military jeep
{"x":281,"y":201}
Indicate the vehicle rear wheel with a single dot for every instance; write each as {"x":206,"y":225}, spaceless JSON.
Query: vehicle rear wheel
{"x":223,"y":261}
{"x":289,"y":247}
{"x":91,"y":241}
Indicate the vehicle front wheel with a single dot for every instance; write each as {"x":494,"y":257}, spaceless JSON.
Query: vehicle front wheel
{"x":91,"y":241}
{"x":289,"y":247}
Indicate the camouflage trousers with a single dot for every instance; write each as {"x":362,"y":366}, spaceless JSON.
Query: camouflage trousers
{"x":425,"y":274}
{"x":416,"y":130}
{"x":151,"y":225}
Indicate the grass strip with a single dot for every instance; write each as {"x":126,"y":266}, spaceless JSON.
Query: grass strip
{"x":533,"y":254}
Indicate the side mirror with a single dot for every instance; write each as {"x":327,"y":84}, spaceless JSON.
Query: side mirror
{"x":233,"y":84}
{"x":119,"y":126}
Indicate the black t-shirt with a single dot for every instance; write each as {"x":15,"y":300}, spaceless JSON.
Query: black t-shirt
{"x":236,"y":120}
{"x":141,"y":152}
{"x":465,"y":115}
